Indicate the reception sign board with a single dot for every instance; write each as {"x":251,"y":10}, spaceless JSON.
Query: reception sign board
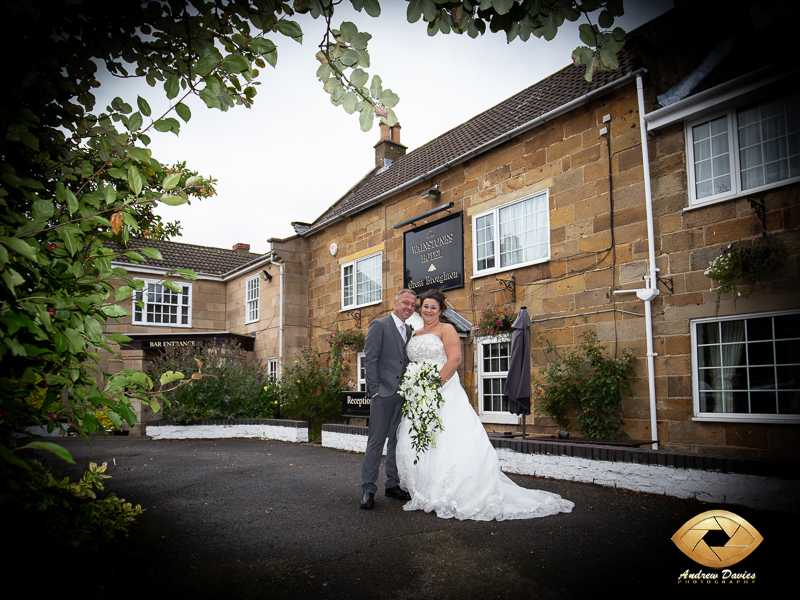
{"x":433,"y":255}
{"x":355,"y":404}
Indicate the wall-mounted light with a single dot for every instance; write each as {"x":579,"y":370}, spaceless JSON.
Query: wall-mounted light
{"x":265,"y":276}
{"x":432,"y":194}
{"x":334,"y":248}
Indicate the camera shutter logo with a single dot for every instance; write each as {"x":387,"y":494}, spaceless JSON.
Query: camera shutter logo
{"x":703,"y":539}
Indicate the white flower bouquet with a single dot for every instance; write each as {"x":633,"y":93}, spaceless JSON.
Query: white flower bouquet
{"x":420,"y":388}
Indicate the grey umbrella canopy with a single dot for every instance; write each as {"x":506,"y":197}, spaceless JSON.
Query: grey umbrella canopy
{"x":518,"y":383}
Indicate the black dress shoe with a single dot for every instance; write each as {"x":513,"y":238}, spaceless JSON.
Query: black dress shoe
{"x":396,"y":493}
{"x":368,"y":501}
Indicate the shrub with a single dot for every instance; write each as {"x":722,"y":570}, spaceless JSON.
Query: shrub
{"x":60,"y":511}
{"x":585,"y":384}
{"x":232,"y":387}
{"x":312,"y":390}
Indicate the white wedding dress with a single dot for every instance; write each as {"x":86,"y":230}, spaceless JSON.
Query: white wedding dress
{"x":461,"y":476}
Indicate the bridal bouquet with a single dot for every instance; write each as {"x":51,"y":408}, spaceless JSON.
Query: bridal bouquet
{"x":420,"y":388}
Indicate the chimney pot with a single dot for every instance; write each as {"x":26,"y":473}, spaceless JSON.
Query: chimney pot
{"x":389,"y":146}
{"x":242,"y":247}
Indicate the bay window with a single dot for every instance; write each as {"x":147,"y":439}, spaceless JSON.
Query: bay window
{"x":747,"y":368}
{"x":362,"y":282}
{"x":512,"y":235}
{"x":252,"y":298}
{"x":156,"y":304}
{"x":744,"y":149}
{"x":494,"y":355}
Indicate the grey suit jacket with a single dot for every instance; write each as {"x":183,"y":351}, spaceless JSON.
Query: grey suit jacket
{"x":386,"y":359}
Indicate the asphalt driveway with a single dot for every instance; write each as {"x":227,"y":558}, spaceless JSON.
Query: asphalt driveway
{"x":244,"y":519}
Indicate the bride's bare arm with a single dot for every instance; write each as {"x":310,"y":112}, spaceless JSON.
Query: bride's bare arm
{"x":452,"y":347}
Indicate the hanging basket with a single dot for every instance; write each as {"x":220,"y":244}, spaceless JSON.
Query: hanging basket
{"x":495,"y":321}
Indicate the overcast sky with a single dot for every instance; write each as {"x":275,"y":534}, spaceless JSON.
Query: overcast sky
{"x":293,"y":154}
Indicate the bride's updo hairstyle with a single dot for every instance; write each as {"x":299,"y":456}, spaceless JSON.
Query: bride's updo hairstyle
{"x":440,"y":298}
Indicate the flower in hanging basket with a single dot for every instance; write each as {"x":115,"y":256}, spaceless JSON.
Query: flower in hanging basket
{"x":494,"y":320}
{"x":746,"y":262}
{"x":349,"y":337}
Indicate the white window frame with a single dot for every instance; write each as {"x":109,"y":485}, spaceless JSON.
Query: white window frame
{"x":142,"y":296}
{"x":496,"y":236}
{"x":252,"y":299}
{"x":272,"y":367}
{"x":492,"y":416}
{"x":361,"y":358}
{"x":354,"y":265}
{"x":697,"y":377}
{"x":733,"y":153}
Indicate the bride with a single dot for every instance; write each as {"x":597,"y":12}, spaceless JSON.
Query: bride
{"x":461,"y":476}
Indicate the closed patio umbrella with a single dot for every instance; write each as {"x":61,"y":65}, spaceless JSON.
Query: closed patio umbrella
{"x":518,"y":382}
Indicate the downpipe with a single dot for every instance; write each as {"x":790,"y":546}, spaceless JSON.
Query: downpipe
{"x":280,"y":331}
{"x":650,"y":292}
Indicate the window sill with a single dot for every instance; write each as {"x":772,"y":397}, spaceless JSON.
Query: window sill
{"x":161,"y":325}
{"x":733,"y":418}
{"x":489,"y":272}
{"x":738,"y":195}
{"x":357,"y":306}
{"x":500,"y":418}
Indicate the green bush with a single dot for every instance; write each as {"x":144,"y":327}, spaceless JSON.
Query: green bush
{"x":312,"y":390}
{"x":232,"y":387}
{"x":587,"y":386}
{"x":60,"y":511}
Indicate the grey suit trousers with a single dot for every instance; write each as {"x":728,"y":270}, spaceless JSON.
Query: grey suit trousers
{"x":384,"y":419}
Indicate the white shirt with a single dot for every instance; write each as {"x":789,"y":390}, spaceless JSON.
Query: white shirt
{"x":401,"y":326}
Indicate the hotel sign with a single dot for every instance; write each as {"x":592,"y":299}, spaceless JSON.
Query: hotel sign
{"x":433,"y":255}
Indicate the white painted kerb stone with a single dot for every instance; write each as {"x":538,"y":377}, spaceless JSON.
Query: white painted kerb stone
{"x":351,"y":442}
{"x":763,"y":493}
{"x":188,"y":432}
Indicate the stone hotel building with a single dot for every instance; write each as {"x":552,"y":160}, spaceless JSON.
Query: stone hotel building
{"x":594,"y":204}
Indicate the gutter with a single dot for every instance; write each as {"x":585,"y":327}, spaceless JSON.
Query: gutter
{"x":486,"y":146}
{"x":280,"y":303}
{"x":719,"y":96}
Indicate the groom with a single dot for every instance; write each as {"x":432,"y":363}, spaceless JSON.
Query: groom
{"x":385,"y":363}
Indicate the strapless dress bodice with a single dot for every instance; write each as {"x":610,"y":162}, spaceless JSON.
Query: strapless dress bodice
{"x":427,"y":348}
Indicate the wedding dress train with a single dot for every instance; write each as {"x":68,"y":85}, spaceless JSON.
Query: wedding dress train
{"x":461,"y":476}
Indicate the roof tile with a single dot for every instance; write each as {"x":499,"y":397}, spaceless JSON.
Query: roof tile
{"x":202,"y":259}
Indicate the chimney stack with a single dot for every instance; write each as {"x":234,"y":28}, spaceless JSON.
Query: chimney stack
{"x":389,"y":146}
{"x":242,"y":247}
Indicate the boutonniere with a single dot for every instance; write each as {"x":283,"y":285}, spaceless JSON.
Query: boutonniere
{"x":412,"y":329}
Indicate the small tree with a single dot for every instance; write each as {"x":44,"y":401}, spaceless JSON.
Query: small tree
{"x":585,"y":385}
{"x":312,"y":389}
